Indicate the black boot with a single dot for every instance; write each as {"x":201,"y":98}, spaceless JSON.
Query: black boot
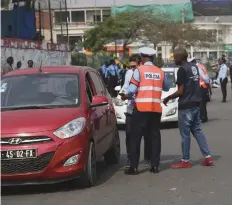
{"x":154,"y":170}
{"x":131,"y":171}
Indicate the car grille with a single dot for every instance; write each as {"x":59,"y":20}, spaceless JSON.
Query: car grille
{"x":24,"y":140}
{"x":20,"y":166}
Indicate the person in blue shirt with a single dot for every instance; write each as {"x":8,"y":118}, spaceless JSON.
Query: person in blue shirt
{"x":222,"y":76}
{"x":112,"y":77}
{"x":103,"y":70}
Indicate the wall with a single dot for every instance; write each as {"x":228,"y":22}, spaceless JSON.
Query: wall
{"x":28,"y":50}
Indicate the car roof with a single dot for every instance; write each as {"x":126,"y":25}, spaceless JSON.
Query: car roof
{"x":50,"y":70}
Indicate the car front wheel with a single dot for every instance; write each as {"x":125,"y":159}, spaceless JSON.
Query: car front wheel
{"x":112,"y":156}
{"x":88,"y":179}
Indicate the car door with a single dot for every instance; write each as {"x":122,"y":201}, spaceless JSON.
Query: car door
{"x":96,"y":115}
{"x":106,"y":128}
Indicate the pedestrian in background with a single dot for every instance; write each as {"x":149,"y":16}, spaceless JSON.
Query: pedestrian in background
{"x":204,"y":84}
{"x":103,"y":71}
{"x":18,"y":65}
{"x":8,"y":67}
{"x":222,"y":76}
{"x":147,"y":84}
{"x":189,"y":93}
{"x":112,"y":76}
{"x":231,"y":73}
{"x":30,"y":64}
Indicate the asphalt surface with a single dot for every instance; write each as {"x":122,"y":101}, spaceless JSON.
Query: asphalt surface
{"x":196,"y":186}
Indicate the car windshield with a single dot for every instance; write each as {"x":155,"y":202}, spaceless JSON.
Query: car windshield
{"x":40,"y":91}
{"x":171,"y":79}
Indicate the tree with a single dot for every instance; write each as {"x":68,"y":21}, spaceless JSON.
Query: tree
{"x":185,"y":35}
{"x":123,"y":26}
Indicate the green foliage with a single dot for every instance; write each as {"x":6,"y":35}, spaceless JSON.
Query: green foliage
{"x":124,"y":26}
{"x":131,"y":26}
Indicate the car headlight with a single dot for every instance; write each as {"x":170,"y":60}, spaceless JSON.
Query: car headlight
{"x":119,"y":102}
{"x":171,"y":112}
{"x":71,"y":129}
{"x":171,"y":101}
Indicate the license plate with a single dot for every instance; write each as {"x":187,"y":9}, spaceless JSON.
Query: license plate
{"x":18,"y":154}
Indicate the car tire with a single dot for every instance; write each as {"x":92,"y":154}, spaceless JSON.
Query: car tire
{"x":112,"y":156}
{"x":89,"y":177}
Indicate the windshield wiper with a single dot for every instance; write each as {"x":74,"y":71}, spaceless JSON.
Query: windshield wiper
{"x":26,"y":108}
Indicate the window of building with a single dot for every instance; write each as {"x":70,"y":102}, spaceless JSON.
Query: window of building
{"x":212,"y":35}
{"x":78,"y":16}
{"x":61,"y":16}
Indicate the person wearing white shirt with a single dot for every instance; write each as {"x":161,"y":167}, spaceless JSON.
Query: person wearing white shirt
{"x":130,"y":105}
{"x":222,"y":76}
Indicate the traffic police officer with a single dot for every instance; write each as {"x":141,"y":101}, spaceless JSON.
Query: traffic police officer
{"x":204,"y":84}
{"x":147,"y":83}
{"x":189,"y":94}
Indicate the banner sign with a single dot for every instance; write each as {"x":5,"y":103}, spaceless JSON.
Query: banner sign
{"x":212,"y":7}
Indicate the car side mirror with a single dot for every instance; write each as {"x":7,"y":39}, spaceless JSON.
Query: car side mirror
{"x":98,"y":101}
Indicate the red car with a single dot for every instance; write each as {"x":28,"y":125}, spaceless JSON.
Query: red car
{"x":56,"y":122}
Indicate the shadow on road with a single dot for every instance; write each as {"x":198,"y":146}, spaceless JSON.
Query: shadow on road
{"x":104,"y":173}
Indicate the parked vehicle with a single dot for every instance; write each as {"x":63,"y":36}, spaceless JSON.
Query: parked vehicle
{"x":170,"y":112}
{"x":56,"y":122}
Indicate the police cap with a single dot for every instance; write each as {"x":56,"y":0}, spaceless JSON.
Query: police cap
{"x":146,"y":51}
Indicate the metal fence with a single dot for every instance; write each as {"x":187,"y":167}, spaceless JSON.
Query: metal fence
{"x":94,"y":61}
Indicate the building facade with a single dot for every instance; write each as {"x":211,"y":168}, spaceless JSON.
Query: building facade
{"x":82,"y":15}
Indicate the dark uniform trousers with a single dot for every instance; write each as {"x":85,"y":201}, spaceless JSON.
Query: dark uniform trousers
{"x":203,"y":105}
{"x":112,"y":82}
{"x":224,"y":88}
{"x":149,"y":123}
{"x":147,"y":140}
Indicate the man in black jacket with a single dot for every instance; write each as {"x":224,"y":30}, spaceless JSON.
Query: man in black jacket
{"x":189,"y":93}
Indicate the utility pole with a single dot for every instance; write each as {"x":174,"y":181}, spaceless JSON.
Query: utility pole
{"x":40,"y":20}
{"x":183,"y":15}
{"x":61,"y":24}
{"x":50,"y":18}
{"x":95,"y":12}
{"x":115,"y":40}
{"x":67,"y":19}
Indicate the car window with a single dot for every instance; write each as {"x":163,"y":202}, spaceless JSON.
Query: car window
{"x":171,"y":79}
{"x":97,"y":83}
{"x":40,"y":90}
{"x":89,"y":92}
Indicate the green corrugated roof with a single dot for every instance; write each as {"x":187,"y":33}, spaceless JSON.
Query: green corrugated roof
{"x":174,"y":10}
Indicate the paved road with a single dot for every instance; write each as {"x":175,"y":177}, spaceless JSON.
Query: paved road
{"x":196,"y":186}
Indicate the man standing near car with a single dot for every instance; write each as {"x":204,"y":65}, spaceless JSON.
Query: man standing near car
{"x":204,"y":83}
{"x":130,"y":106}
{"x":147,"y":83}
{"x":222,"y":76}
{"x":189,"y":93}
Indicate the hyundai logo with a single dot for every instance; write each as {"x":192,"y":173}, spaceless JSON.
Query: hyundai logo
{"x":15,"y":141}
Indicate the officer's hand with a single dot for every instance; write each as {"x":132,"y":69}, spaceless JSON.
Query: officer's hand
{"x":123,"y":96}
{"x":165,"y":101}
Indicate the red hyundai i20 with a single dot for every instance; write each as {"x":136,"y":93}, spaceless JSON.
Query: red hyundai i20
{"x":56,"y":122}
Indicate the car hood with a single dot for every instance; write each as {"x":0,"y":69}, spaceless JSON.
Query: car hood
{"x":166,"y":94}
{"x":37,"y":120}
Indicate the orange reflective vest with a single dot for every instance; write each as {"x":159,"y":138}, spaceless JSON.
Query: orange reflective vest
{"x":148,"y":97}
{"x":202,"y":82}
